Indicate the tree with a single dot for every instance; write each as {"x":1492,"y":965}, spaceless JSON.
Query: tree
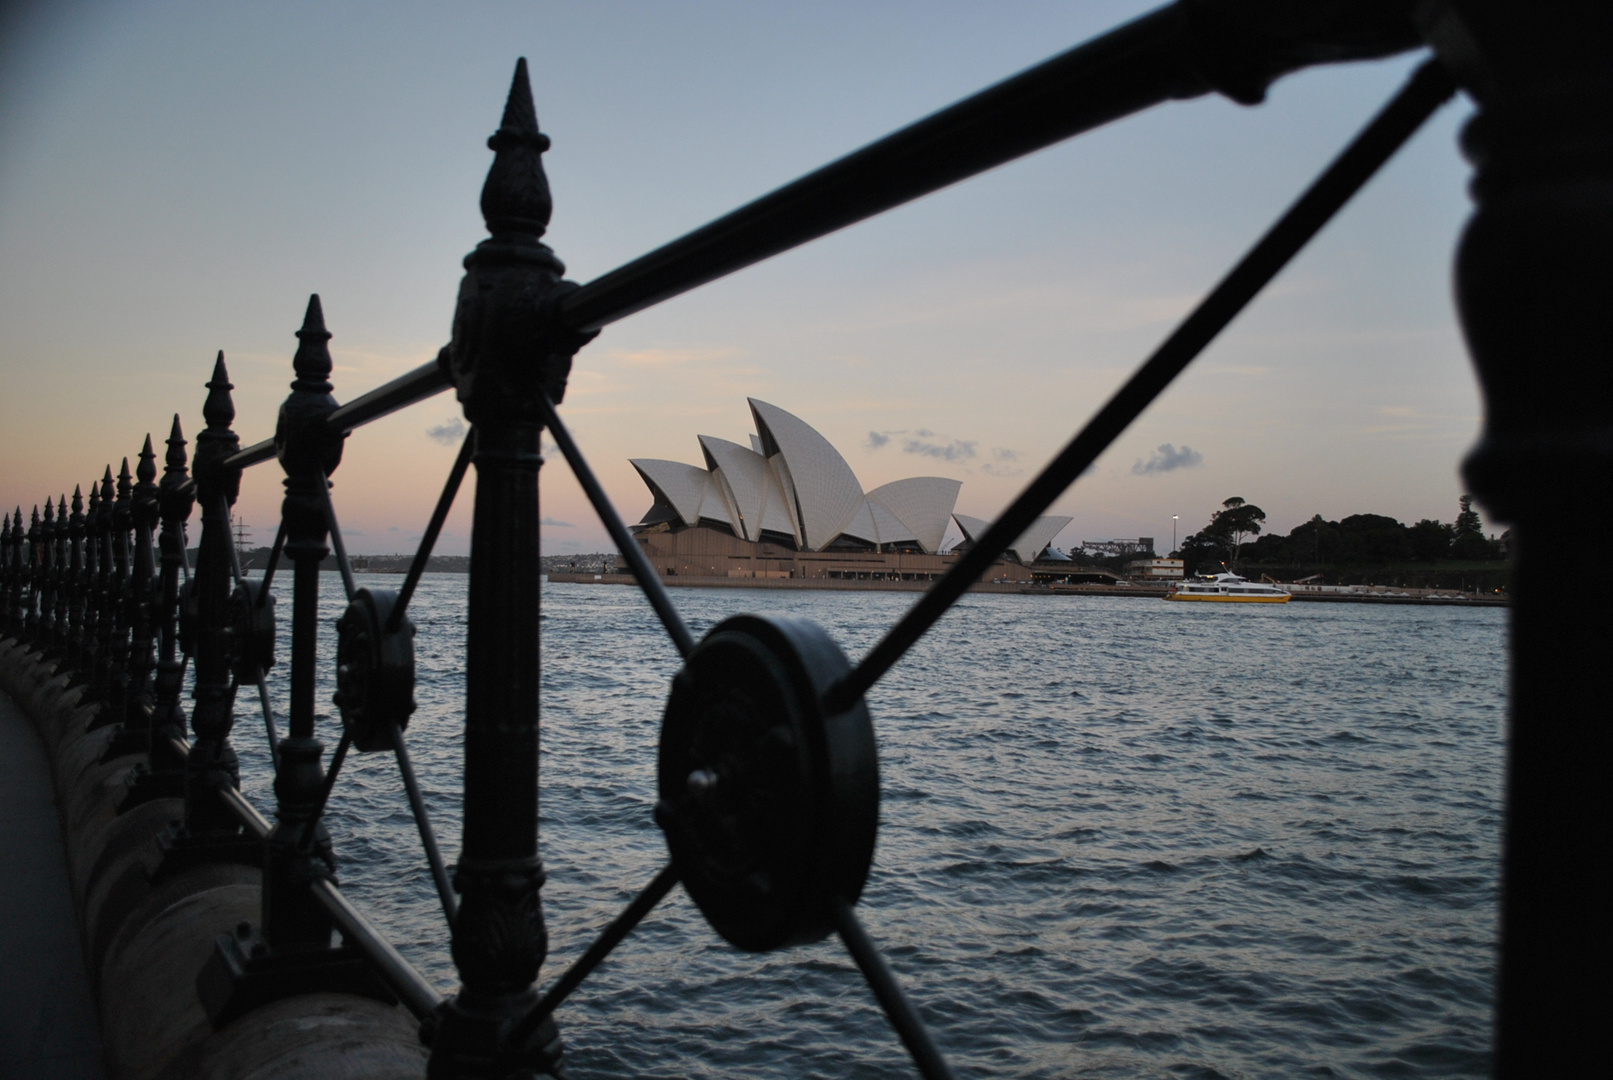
{"x":1430,"y":540}
{"x":1235,"y":521}
{"x":1467,"y":536}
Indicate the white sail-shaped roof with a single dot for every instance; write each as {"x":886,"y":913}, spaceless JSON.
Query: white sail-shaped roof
{"x":922,"y":504}
{"x":826,"y":492}
{"x":1029,"y":544}
{"x":746,"y":473}
{"x":683,"y":487}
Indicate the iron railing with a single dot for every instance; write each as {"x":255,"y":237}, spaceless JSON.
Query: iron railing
{"x":105,"y":586}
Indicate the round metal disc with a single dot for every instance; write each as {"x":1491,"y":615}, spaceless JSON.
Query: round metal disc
{"x":770,"y":807}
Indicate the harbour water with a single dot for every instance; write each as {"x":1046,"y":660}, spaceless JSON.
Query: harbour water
{"x":1118,"y":838}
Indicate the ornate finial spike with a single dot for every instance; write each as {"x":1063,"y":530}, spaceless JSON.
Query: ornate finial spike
{"x":515,"y":198}
{"x":61,"y":506}
{"x":312,"y":362}
{"x":125,"y":479}
{"x":78,"y":499}
{"x":146,"y":471}
{"x":520,"y":115}
{"x":50,"y":511}
{"x":175,"y":458}
{"x":219,"y":408}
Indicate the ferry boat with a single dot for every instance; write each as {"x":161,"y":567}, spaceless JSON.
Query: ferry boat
{"x":1227,"y":589}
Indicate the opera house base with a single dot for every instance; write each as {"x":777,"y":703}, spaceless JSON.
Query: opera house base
{"x":701,"y":552}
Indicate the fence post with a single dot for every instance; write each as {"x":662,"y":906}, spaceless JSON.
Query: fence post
{"x":35,"y":582}
{"x":101,"y":539}
{"x":1533,"y":274}
{"x":212,"y":763}
{"x":175,"y":499}
{"x":47,"y":580}
{"x":115,"y":617}
{"x":136,"y":735}
{"x":309,"y":454}
{"x":62,"y":556}
{"x":79,"y":594}
{"x":507,"y":350}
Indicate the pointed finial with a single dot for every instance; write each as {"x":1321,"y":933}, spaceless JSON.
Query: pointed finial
{"x":61,"y":506}
{"x":175,"y":458}
{"x":312,"y":362}
{"x":219,"y":408}
{"x":50,"y":513}
{"x":515,"y":198}
{"x":146,"y":471}
{"x":125,"y":480}
{"x":95,"y":498}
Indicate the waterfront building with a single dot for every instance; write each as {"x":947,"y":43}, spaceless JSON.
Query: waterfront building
{"x":789,"y":506}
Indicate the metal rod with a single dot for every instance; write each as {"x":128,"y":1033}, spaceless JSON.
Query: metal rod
{"x":245,"y":812}
{"x":416,"y":994}
{"x":306,"y":840}
{"x":608,"y":939}
{"x":1130,"y":68}
{"x":439,"y":515}
{"x":184,"y":547}
{"x":903,"y":1017}
{"x":648,"y":580}
{"x":428,"y":836}
{"x":408,"y":388}
{"x":1428,"y":88}
{"x":268,"y":720}
{"x":256,"y":454}
{"x":274,"y":560}
{"x":336,"y":538}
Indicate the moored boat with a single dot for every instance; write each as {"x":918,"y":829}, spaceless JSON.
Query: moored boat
{"x":1227,"y":589}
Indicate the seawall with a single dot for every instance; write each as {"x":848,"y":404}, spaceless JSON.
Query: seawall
{"x":147,"y":925}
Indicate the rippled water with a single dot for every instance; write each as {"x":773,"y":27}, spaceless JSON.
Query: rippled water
{"x":1118,"y":837}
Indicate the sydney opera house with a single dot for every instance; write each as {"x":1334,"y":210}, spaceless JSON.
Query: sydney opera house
{"x":788,"y":506}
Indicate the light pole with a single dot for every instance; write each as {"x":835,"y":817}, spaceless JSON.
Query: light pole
{"x":1174,"y":518}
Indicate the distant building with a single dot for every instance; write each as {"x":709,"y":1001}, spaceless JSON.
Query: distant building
{"x":789,"y":506}
{"x":1155,"y":569}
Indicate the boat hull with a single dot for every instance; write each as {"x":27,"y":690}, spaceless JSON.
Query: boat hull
{"x":1209,"y":599}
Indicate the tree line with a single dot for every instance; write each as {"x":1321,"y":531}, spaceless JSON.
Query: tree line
{"x":1233,"y":537}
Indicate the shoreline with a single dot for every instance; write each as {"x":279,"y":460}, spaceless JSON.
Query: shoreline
{"x":1385,"y":597}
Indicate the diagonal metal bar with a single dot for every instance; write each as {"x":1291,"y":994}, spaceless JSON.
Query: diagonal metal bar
{"x":1428,"y":88}
{"x":903,"y":1017}
{"x":648,"y":580}
{"x":608,"y":939}
{"x":428,"y":838}
{"x":274,"y":561}
{"x":408,"y":388}
{"x":269,"y":726}
{"x":184,"y":550}
{"x":422,"y":555}
{"x":306,"y":840}
{"x":336,"y":538}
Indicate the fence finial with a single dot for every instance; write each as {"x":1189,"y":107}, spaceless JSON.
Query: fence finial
{"x":312,"y":362}
{"x":219,"y":408}
{"x":515,"y":198}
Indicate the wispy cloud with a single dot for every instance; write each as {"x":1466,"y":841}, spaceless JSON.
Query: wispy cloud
{"x":877,"y":439}
{"x":928,"y":444}
{"x":448,"y":432}
{"x":1004,"y":462}
{"x":1168,"y":459}
{"x":553,"y":524}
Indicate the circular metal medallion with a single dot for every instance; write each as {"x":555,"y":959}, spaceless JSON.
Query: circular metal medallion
{"x":374,"y":670}
{"x":769,"y":806}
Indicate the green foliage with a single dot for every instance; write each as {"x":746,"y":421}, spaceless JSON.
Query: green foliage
{"x":1357,"y":540}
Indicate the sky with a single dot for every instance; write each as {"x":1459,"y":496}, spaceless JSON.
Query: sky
{"x":176,"y":178}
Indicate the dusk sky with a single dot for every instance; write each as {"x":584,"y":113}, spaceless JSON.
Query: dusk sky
{"x":176,"y":178}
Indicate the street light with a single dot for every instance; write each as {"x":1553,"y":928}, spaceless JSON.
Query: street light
{"x":1174,"y":518}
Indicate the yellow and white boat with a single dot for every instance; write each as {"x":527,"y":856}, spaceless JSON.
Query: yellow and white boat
{"x":1227,"y":589}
